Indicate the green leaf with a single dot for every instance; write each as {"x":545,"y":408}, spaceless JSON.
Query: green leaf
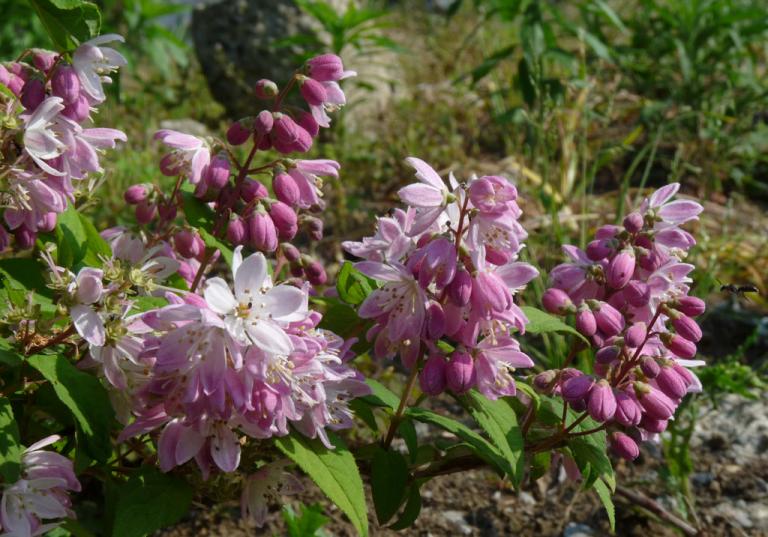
{"x":203,"y":218}
{"x":407,"y":432}
{"x":77,"y":241}
{"x":10,"y":443}
{"x":307,"y":524}
{"x":541,"y":322}
{"x":592,"y":459}
{"x":381,"y":395}
{"x":150,"y":500}
{"x":411,"y":510}
{"x":8,"y":356}
{"x":500,"y":422}
{"x":68,"y":22}
{"x":26,"y":274}
{"x":353,"y":286}
{"x":86,"y":399}
{"x":604,"y":493}
{"x":479,"y":445}
{"x":333,"y":470}
{"x":389,"y":480}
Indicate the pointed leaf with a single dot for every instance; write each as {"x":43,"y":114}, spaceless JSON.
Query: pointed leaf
{"x":10,"y":445}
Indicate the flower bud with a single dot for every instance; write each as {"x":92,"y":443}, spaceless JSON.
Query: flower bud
{"x":435,"y":324}
{"x":671,"y":383}
{"x":314,"y":227}
{"x":167,"y":211}
{"x":286,"y":189}
{"x":607,"y":231}
{"x":496,"y":257}
{"x":601,"y":402}
{"x":679,"y":346}
{"x":44,"y":60}
{"x":585,"y":322}
{"x":620,"y":269}
{"x":237,"y":233}
{"x":32,"y":94}
{"x":556,"y":301}
{"x":263,"y":123}
{"x":460,"y":288}
{"x":544,"y":381}
{"x":25,"y":238}
{"x":690,"y":306}
{"x":65,"y":84}
{"x":290,"y":252}
{"x":238,"y":134}
{"x":79,"y":110}
{"x":285,"y":133}
{"x":285,"y":220}
{"x":188,"y":243}
{"x":15,"y":84}
{"x":432,"y":376}
{"x":217,"y":172}
{"x":312,"y":91}
{"x":633,"y":222}
{"x":577,"y":388}
{"x":609,"y":320}
{"x":623,"y":446}
{"x":598,"y":250}
{"x":262,"y":233}
{"x":608,"y":354}
{"x":460,"y":373}
{"x":316,"y":273}
{"x":656,"y":404}
{"x":252,"y":190}
{"x":649,"y":366}
{"x":265,"y":89}
{"x":636,"y":334}
{"x":308,"y":123}
{"x":145,"y":212}
{"x":628,"y":412}
{"x":135,"y":194}
{"x":325,"y":68}
{"x":637,"y":293}
{"x":653,"y":425}
{"x":687,"y":328}
{"x":47,"y":222}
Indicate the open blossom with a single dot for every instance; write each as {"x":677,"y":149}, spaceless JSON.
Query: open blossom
{"x":265,"y":485}
{"x":93,"y":62}
{"x":429,"y":196}
{"x":40,"y":139}
{"x":190,"y":154}
{"x":41,"y":494}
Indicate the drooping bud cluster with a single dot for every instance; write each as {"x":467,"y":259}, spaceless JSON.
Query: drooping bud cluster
{"x":628,"y":293}
{"x":39,"y":501}
{"x":449,"y":272}
{"x":46,"y":146}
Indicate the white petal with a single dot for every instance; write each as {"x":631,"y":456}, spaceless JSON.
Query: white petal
{"x":88,"y":324}
{"x":250,"y":277}
{"x":286,"y":303}
{"x":269,"y":337}
{"x":219,"y":296}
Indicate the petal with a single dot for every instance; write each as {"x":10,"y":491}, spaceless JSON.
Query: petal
{"x":659,"y":197}
{"x":225,"y":449}
{"x":680,"y":211}
{"x":379,"y":271}
{"x":516,"y":275}
{"x":420,"y":195}
{"x":269,"y":337}
{"x":425,"y":173}
{"x":88,"y":324}
{"x":219,"y":296}
{"x":286,"y":303}
{"x":250,"y":277}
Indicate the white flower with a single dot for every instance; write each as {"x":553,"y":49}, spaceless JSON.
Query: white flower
{"x":255,"y":311}
{"x":93,"y":63}
{"x":40,"y":139}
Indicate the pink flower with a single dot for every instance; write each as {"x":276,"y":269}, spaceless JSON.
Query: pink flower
{"x":265,"y":485}
{"x":41,"y":141}
{"x":432,"y":378}
{"x":497,"y":359}
{"x":429,"y":196}
{"x":327,"y":67}
{"x":190,"y":154}
{"x":307,"y":175}
{"x":92,"y":62}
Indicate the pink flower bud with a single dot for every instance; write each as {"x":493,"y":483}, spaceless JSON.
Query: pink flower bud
{"x":690,"y":306}
{"x":435,"y":321}
{"x":609,"y":319}
{"x":290,"y":252}
{"x":653,"y":425}
{"x":601,"y":402}
{"x":577,"y":388}
{"x":556,"y":301}
{"x":79,"y":110}
{"x":65,"y":84}
{"x":432,"y":376}
{"x":15,"y":84}
{"x":252,"y":190}
{"x":145,"y":212}
{"x":286,"y":133}
{"x":32,"y":94}
{"x":238,"y":133}
{"x":628,"y":412}
{"x":608,"y":354}
{"x":496,"y":257}
{"x":135,"y":194}
{"x":607,"y":232}
{"x":623,"y":446}
{"x":188,"y":243}
{"x":460,"y":288}
{"x":313,"y":92}
{"x":25,"y":238}
{"x":217,"y":172}
{"x":314,"y":227}
{"x":620,"y":269}
{"x":490,"y":193}
{"x":5,"y":76}
{"x":285,"y":219}
{"x":679,"y":346}
{"x":44,"y":60}
{"x":308,"y":123}
{"x":637,"y":293}
{"x":263,"y":123}
{"x":585,"y":322}
{"x":598,"y":250}
{"x":544,"y":381}
{"x":262,"y":233}
{"x":237,"y":232}
{"x":167,"y":211}
{"x":656,"y":404}
{"x":671,"y":383}
{"x":460,"y":373}
{"x":316,"y":273}
{"x":286,"y":189}
{"x":633,"y":222}
{"x":649,"y":366}
{"x":687,"y":328}
{"x":325,"y":68}
{"x":636,"y":334}
{"x":265,"y":89}
{"x":439,"y":263}
{"x":47,"y":222}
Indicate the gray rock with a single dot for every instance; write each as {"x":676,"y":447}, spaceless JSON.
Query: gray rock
{"x":734,"y":514}
{"x":578,"y":530}
{"x":458,"y":518}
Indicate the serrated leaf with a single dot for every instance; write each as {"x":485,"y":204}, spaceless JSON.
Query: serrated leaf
{"x":411,"y":510}
{"x":541,"y":322}
{"x":333,"y":470}
{"x":381,"y":395}
{"x":149,"y":501}
{"x":604,"y":493}
{"x":68,"y":22}
{"x":10,"y":443}
{"x":77,"y":241}
{"x":26,"y":274}
{"x":499,"y":421}
{"x":85,"y":398}
{"x":353,"y":286}
{"x":389,"y":480}
{"x":8,"y":356}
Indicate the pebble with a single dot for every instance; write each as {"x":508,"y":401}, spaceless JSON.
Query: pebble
{"x":458,"y":519}
{"x":734,"y":514}
{"x":578,"y":530}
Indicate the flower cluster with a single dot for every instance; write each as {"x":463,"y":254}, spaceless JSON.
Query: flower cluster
{"x":40,"y":494}
{"x":628,"y":293}
{"x":449,"y":270}
{"x":51,"y":104}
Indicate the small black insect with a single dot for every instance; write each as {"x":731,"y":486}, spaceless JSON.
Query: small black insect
{"x":739,"y":290}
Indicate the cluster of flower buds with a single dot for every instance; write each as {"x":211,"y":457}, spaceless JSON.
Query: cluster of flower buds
{"x":43,"y":116}
{"x":41,"y":494}
{"x":628,"y":294}
{"x":449,"y":272}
